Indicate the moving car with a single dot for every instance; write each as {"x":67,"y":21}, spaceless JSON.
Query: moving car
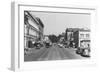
{"x":60,"y":45}
{"x":48,"y":44}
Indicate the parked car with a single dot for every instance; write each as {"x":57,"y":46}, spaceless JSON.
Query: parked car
{"x":84,"y":49}
{"x":83,"y":52}
{"x":86,"y":52}
{"x":79,"y":50}
{"x":38,"y":45}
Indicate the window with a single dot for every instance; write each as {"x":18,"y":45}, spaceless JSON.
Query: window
{"x":32,"y":32}
{"x":81,"y":35}
{"x":87,"y":35}
{"x":33,"y":24}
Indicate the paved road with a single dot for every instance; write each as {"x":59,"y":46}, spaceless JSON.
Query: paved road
{"x":53,"y":53}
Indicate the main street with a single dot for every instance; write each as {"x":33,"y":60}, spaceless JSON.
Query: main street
{"x":52,"y":53}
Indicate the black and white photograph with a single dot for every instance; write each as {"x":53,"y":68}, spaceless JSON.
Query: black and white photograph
{"x":56,"y":36}
{"x":52,"y":36}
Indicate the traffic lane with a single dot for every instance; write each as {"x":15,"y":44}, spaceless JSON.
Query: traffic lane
{"x":54,"y":54}
{"x":69,"y":53}
{"x":51,"y":54}
{"x":57,"y":53}
{"x":35,"y":56}
{"x":44,"y":56}
{"x":61,"y":53}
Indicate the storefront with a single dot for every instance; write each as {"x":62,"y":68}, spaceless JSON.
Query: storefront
{"x":82,"y":37}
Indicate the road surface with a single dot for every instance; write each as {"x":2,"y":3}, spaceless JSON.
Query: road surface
{"x":52,"y":53}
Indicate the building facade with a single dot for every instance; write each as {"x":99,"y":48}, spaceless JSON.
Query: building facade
{"x":69,"y":36}
{"x":33,"y":29}
{"x":77,"y":36}
{"x":82,"y":37}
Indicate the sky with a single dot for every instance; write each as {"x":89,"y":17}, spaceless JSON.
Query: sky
{"x":56,"y":23}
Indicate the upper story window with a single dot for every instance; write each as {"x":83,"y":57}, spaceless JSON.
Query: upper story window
{"x":33,"y":24}
{"x":87,"y":35}
{"x":81,"y":35}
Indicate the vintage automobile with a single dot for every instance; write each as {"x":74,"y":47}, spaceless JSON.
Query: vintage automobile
{"x":83,"y":52}
{"x":86,"y":52}
{"x":38,"y":45}
{"x":84,"y":49}
{"x":79,"y":50}
{"x":61,"y":45}
{"x":48,"y":44}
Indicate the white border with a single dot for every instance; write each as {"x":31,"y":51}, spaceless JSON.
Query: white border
{"x":18,"y":37}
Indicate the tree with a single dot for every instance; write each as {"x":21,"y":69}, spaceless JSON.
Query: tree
{"x":53,"y":38}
